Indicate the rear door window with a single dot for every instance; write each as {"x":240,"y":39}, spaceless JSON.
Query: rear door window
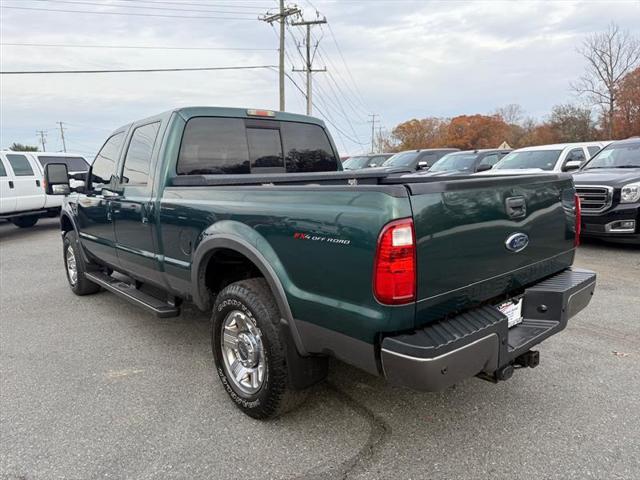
{"x":3,"y":172}
{"x":138,"y":158}
{"x":212,"y":145}
{"x":20,"y":165}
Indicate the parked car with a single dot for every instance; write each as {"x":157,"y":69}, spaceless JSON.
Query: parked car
{"x":561,"y":157}
{"x":22,"y":194}
{"x":414,"y":160}
{"x":466,"y":162}
{"x":609,"y":190}
{"x":246,"y":214}
{"x":366,"y":161}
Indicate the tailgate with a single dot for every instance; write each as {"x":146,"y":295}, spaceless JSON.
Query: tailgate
{"x":472,"y":238}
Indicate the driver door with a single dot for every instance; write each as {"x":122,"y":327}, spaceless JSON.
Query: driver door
{"x":95,"y":222}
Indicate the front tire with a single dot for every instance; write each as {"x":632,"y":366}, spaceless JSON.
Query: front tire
{"x":27,"y":221}
{"x":76,"y":267}
{"x":249,"y":351}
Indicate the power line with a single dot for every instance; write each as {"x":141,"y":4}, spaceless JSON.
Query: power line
{"x":43,"y":136}
{"x":139,"y":7}
{"x":199,"y":17}
{"x":142,"y":47}
{"x":137,"y":70}
{"x":193,"y":4}
{"x":64,"y":143}
{"x":308,"y":69}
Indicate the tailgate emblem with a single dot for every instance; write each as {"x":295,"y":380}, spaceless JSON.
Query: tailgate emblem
{"x":516,"y":242}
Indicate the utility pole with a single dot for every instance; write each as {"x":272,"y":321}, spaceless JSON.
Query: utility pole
{"x":309,"y":66}
{"x":43,"y":135}
{"x":373,"y":130}
{"x":64,"y":144}
{"x":281,"y":17}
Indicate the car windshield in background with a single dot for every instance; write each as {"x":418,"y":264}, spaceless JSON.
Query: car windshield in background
{"x":74,"y":164}
{"x":455,"y":161}
{"x":401,"y":159}
{"x":617,"y":156}
{"x":543,"y":159}
{"x":355,"y":163}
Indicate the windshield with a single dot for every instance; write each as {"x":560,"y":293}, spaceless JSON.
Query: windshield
{"x":402,"y":159}
{"x":353,"y":163}
{"x":543,"y":159}
{"x":616,"y":156}
{"x":74,"y":164}
{"x":455,"y":161}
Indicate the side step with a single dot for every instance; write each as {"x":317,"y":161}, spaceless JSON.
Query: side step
{"x":129,"y":292}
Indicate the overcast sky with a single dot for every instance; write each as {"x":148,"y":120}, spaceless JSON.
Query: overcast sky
{"x":406,"y":59}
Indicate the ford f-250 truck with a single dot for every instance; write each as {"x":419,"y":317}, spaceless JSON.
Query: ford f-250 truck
{"x":247,"y":214}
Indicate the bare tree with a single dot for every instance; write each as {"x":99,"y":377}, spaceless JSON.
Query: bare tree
{"x":610,"y":56}
{"x":511,"y":113}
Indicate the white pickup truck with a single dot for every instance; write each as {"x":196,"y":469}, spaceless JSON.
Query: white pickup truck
{"x":22,"y":195}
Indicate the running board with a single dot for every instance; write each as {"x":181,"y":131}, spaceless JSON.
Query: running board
{"x":129,"y":292}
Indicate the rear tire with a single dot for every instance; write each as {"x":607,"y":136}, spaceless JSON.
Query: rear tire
{"x":75,"y":266}
{"x":25,"y":222}
{"x":249,"y":350}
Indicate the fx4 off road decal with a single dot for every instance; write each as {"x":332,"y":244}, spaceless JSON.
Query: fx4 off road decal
{"x":320,"y":238}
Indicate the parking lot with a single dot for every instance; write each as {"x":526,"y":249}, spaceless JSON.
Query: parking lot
{"x":94,"y":387}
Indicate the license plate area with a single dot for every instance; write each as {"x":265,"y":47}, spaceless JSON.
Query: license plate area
{"x":512,"y":309}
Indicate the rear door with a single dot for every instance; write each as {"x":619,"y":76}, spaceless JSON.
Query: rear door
{"x":132,"y":209}
{"x":463,"y":229}
{"x":27,"y":181}
{"x":7,"y":189}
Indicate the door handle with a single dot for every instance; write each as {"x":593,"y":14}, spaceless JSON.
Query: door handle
{"x":37,"y":183}
{"x":10,"y":183}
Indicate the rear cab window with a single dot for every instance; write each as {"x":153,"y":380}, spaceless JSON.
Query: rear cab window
{"x":74,"y":164}
{"x":20,"y":165}
{"x":218,"y":145}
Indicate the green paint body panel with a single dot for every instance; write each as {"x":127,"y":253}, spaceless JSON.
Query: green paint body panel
{"x":320,"y":240}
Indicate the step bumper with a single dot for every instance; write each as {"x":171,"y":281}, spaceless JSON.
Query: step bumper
{"x":479,"y":341}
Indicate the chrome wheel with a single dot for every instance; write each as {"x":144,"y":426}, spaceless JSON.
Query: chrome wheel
{"x":72,"y":268}
{"x":243,"y":352}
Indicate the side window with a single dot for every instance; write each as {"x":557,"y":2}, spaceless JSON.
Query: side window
{"x":213,"y":146}
{"x":593,"y":151}
{"x":104,"y":166}
{"x":307,"y":148}
{"x":491,"y":159}
{"x":3,"y":172}
{"x":429,"y":158}
{"x":577,"y":154}
{"x":138,"y":158}
{"x":377,"y":161}
{"x":20,"y":165}
{"x":265,"y":150}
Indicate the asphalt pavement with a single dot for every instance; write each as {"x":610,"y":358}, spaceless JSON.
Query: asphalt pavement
{"x":93,"y":387}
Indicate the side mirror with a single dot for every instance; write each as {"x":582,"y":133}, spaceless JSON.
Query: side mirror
{"x":483,"y":167}
{"x":423,"y":165}
{"x":572,"y":165}
{"x":56,"y":178}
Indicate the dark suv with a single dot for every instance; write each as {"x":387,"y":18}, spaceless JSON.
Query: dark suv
{"x":609,"y":190}
{"x":418,"y":159}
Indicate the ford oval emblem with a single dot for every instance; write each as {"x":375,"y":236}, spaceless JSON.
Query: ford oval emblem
{"x":517,"y":242}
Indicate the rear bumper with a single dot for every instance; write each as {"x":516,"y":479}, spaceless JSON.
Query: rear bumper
{"x":479,"y":341}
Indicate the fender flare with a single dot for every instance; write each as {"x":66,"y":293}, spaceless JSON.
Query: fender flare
{"x":201,"y":297}
{"x":65,"y":214}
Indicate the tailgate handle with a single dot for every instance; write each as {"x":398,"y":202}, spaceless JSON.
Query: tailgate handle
{"x":516,"y":207}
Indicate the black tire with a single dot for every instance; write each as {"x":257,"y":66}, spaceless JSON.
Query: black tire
{"x":27,"y":221}
{"x":81,"y":285}
{"x":275,"y":395}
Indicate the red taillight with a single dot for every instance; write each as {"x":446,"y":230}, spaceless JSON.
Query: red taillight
{"x":394,"y":269}
{"x":578,"y":213}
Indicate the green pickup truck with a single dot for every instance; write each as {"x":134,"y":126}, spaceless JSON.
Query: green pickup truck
{"x":248,"y":215}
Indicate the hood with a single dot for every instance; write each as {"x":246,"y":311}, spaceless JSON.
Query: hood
{"x":613,"y":177}
{"x":513,"y":171}
{"x":443,"y":173}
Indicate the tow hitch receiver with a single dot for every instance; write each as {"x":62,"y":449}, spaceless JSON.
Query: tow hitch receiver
{"x":529,"y":359}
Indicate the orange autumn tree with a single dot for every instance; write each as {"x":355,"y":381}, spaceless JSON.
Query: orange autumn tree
{"x":420,"y":133}
{"x":469,"y":132}
{"x":626,"y":119}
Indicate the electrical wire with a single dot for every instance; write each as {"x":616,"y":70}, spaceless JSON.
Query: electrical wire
{"x":135,"y":70}
{"x":140,"y":7}
{"x":140,"y":47}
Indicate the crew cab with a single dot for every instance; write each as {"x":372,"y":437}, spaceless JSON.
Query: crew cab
{"x":247,"y":214}
{"x":561,"y":157}
{"x":23,"y":199}
{"x":609,"y":190}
